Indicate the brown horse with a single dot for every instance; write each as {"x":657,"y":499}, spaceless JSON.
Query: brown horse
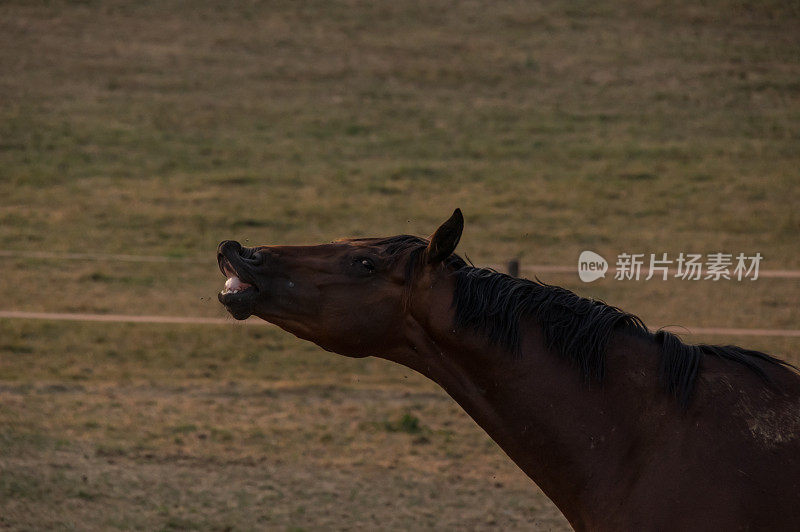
{"x":622,"y":428}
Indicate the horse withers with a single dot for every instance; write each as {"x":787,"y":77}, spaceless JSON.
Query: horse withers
{"x":622,"y":428}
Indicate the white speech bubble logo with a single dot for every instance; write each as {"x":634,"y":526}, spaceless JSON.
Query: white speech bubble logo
{"x":591,"y":266}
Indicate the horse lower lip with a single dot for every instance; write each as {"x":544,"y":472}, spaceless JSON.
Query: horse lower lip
{"x":240,"y":304}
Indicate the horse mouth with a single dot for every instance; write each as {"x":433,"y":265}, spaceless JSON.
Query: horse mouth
{"x":240,"y":291}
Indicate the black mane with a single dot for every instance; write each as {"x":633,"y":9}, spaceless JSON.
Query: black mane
{"x":579,"y":329}
{"x":575,"y":328}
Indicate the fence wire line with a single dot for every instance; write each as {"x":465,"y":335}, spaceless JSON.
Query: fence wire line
{"x":11,"y":254}
{"x":671,"y":272}
{"x":533,"y":268}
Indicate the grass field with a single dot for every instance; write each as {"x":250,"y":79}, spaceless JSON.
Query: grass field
{"x":161,"y":128}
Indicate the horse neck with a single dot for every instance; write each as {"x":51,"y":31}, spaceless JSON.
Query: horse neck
{"x":567,"y":435}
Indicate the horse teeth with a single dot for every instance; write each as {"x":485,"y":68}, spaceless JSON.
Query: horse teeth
{"x":234,"y":284}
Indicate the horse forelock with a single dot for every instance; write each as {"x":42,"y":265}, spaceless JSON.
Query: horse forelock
{"x":412,"y":249}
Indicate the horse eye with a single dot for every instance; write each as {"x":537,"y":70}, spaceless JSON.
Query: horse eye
{"x":366,"y":263}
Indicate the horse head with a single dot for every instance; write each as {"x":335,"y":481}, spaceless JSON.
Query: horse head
{"x":352,"y":296}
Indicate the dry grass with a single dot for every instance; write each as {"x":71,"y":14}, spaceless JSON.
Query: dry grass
{"x":238,"y":428}
{"x":161,"y":128}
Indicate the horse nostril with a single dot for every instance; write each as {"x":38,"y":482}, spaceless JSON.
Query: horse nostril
{"x":254,"y":258}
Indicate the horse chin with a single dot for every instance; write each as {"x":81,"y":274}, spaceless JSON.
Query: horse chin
{"x":240,"y":305}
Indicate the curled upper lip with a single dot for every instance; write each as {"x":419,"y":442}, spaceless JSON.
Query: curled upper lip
{"x":233,"y":264}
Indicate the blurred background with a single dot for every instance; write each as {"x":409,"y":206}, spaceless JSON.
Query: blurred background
{"x":134,"y":136}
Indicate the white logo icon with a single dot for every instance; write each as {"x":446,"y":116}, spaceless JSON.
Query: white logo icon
{"x":591,"y":266}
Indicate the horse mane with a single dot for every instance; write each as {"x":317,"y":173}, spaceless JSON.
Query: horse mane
{"x":579,"y":329}
{"x":575,"y":328}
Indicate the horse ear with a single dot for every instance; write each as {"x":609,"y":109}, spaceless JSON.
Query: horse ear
{"x":444,"y":241}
